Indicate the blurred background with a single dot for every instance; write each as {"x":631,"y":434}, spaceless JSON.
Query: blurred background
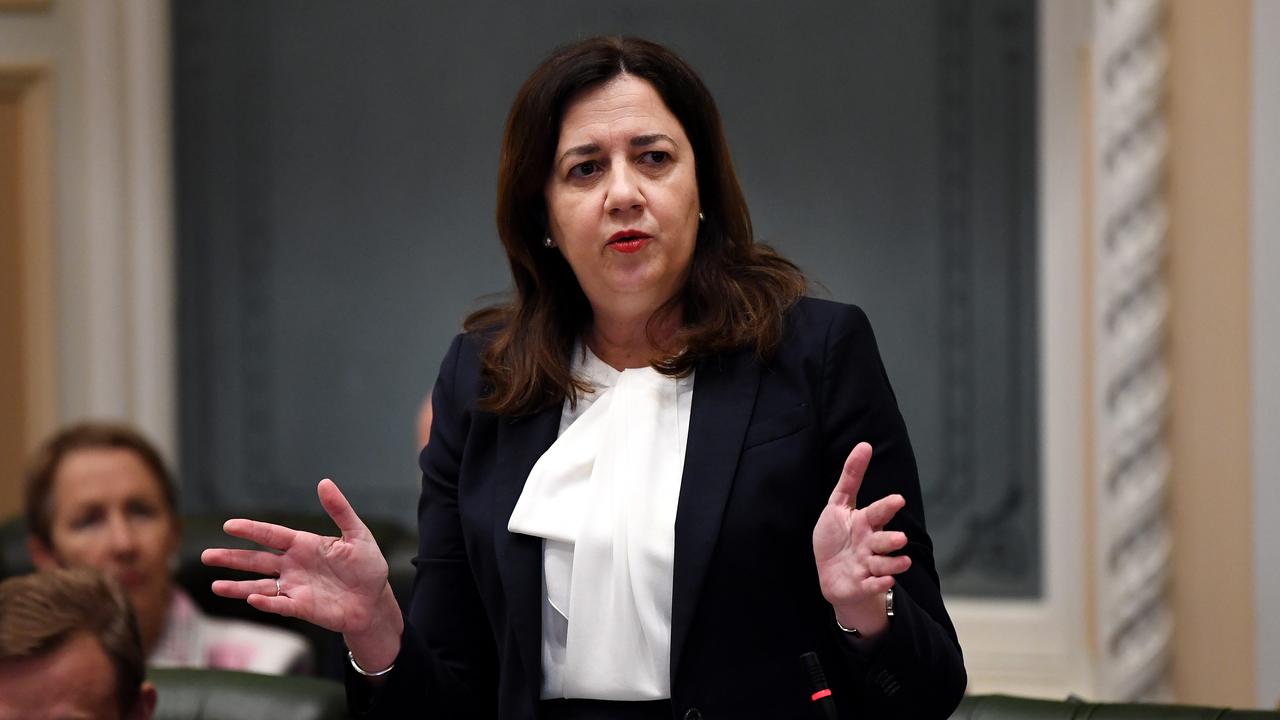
{"x":252,"y":229}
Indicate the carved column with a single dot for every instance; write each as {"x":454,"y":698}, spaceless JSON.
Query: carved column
{"x":1130,"y":385}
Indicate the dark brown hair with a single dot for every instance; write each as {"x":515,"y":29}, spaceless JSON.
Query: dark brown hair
{"x":40,"y":612}
{"x":85,"y":435}
{"x":737,"y":291}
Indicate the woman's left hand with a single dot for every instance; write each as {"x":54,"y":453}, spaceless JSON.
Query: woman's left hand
{"x":851,"y":548}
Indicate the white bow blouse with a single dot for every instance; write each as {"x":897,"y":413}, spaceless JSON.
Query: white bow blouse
{"x":603,"y":497}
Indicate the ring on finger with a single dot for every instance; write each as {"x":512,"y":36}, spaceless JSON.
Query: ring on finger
{"x":277,"y":587}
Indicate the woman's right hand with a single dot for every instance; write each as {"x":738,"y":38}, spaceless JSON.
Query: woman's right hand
{"x":338,"y":583}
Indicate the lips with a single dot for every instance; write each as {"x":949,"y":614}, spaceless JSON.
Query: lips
{"x":628,"y":241}
{"x":131,"y":579}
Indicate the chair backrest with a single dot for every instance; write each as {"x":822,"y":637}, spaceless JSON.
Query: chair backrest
{"x":1004,"y":707}
{"x":14,"y":559}
{"x":224,"y":695}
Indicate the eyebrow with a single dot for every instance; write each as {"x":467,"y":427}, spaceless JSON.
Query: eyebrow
{"x":637,"y":141}
{"x":646,"y":140}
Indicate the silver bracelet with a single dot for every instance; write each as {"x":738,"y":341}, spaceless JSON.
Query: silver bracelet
{"x":852,"y":631}
{"x":356,"y":666}
{"x":888,"y":612}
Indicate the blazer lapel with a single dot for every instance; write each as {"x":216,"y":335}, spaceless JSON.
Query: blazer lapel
{"x":724,"y":394}
{"x":521,"y":441}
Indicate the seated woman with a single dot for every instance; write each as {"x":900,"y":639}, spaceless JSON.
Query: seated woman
{"x":98,"y":495}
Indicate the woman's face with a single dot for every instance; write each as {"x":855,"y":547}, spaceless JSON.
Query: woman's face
{"x":109,"y":513}
{"x":622,"y":197}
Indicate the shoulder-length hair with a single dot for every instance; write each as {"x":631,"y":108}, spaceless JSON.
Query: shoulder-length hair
{"x":737,"y":291}
{"x":87,"y":435}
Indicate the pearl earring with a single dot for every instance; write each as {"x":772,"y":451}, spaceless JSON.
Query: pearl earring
{"x":701,"y":217}
{"x":548,"y":242}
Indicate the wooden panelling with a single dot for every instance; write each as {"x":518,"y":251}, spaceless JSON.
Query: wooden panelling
{"x":1211,"y":484}
{"x":25,"y":4}
{"x":27,"y":357}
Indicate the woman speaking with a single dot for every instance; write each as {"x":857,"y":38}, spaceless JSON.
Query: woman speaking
{"x":649,"y":488}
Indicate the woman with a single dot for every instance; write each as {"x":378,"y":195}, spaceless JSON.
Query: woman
{"x":98,"y":495}
{"x":647,"y":491}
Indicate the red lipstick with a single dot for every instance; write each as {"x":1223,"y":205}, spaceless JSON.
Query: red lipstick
{"x":628,"y":241}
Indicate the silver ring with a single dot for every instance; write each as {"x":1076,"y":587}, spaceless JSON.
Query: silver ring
{"x":277,"y":587}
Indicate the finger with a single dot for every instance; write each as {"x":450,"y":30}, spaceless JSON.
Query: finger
{"x":855,"y":466}
{"x":885,"y":542}
{"x":343,"y":515}
{"x":243,"y":589}
{"x":277,"y":537}
{"x":880,"y":512}
{"x":877,"y":585}
{"x":278,"y":604}
{"x":254,"y":561}
{"x":888,"y":565}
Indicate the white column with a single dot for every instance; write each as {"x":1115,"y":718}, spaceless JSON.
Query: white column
{"x":1130,"y":393}
{"x":149,"y":214}
{"x":115,"y":234}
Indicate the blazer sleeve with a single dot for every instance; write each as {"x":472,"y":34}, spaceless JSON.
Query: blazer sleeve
{"x":447,"y":666}
{"x":916,"y":670}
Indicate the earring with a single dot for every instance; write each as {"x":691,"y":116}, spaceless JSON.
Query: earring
{"x":548,"y":242}
{"x":701,"y":217}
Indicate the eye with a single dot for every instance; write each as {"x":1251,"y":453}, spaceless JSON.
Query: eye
{"x":87,"y":518}
{"x":655,"y":157}
{"x":142,"y":509}
{"x":584,"y":169}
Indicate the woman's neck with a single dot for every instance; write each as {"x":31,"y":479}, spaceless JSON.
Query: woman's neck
{"x":152,"y":612}
{"x":624,"y":341}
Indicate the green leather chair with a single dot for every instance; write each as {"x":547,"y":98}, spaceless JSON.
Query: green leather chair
{"x":1004,"y":707}
{"x":223,"y":695}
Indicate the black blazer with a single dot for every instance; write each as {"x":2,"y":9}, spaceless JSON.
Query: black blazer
{"x":766,"y":445}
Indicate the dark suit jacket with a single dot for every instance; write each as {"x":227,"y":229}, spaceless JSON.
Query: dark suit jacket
{"x":766,"y":444}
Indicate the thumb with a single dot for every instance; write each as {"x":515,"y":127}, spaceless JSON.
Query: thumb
{"x":855,"y":467}
{"x":340,"y":511}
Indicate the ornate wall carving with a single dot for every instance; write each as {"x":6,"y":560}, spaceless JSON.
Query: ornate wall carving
{"x":1131,"y":558}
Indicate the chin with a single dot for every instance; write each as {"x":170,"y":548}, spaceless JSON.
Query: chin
{"x":150,"y":593}
{"x":644,"y":281}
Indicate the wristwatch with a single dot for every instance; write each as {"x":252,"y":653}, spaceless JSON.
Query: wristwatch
{"x":888,"y":612}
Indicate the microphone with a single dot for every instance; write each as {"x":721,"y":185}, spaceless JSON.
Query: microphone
{"x":824,"y":706}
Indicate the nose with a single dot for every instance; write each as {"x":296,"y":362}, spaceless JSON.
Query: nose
{"x":121,"y":538}
{"x":623,"y":191}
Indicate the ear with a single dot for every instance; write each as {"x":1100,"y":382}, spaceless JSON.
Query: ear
{"x":41,"y":555}
{"x":145,"y":707}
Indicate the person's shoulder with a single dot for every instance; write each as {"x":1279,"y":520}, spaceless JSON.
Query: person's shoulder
{"x":822,"y":309}
{"x":463,"y":361}
{"x":816,"y":318}
{"x":258,"y":647}
{"x":259,"y":632}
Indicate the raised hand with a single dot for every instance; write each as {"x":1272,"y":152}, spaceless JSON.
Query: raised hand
{"x":851,"y":549}
{"x":338,"y":583}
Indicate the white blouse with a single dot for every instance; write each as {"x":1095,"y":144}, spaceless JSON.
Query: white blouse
{"x":603,"y":497}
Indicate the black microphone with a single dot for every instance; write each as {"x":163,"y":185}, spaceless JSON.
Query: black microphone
{"x":824,"y":706}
